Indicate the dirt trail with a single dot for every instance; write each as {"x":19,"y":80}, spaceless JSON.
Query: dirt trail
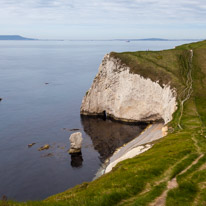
{"x":188,"y":90}
{"x":172,"y":184}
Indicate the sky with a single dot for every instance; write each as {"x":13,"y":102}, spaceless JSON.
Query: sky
{"x":104,"y":19}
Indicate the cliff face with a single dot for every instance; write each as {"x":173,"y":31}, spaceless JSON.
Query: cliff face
{"x":126,"y":96}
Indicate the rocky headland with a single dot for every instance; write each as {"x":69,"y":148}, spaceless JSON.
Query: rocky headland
{"x":125,"y":96}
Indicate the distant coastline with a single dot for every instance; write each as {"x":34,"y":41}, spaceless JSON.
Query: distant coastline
{"x":18,"y":37}
{"x":130,"y":40}
{"x":157,"y":39}
{"x":14,"y":37}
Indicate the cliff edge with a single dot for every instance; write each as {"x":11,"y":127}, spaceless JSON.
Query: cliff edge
{"x":125,"y":96}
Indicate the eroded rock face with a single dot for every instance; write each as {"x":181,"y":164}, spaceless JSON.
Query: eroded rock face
{"x":126,"y":96}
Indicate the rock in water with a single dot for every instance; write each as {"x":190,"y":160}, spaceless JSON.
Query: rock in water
{"x":125,"y":96}
{"x":75,"y":142}
{"x":46,"y":146}
{"x":30,"y":145}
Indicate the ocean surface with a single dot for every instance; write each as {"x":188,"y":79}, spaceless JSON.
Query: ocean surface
{"x":42,"y":84}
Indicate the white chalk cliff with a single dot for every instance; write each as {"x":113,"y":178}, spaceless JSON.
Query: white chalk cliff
{"x":126,"y":96}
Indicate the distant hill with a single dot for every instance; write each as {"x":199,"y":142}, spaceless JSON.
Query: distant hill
{"x":156,"y":39}
{"x":14,"y":37}
{"x":146,"y":39}
{"x":153,"y":39}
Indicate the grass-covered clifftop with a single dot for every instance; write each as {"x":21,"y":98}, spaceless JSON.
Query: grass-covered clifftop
{"x":179,"y":157}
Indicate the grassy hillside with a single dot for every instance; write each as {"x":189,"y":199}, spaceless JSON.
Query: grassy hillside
{"x":179,"y":157}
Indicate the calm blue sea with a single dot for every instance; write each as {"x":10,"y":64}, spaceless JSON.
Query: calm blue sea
{"x":35,"y":112}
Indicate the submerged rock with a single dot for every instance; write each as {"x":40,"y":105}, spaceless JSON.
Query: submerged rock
{"x":48,"y":155}
{"x":71,"y":130}
{"x":46,"y":146}
{"x":61,"y":147}
{"x":74,"y":129}
{"x":30,"y":145}
{"x":75,"y":142}
{"x":125,"y":96}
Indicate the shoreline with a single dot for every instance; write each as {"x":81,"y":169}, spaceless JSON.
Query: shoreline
{"x":138,"y":145}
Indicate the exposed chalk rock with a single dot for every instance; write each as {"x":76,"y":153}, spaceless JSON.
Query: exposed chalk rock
{"x":107,"y":136}
{"x":130,"y":154}
{"x":164,"y":130}
{"x":75,"y":142}
{"x":126,"y":96}
{"x":140,"y":144}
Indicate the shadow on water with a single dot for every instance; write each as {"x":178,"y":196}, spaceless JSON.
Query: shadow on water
{"x":76,"y":160}
{"x":108,"y":135}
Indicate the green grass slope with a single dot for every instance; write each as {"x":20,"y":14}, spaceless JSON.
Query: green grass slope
{"x":180,"y":155}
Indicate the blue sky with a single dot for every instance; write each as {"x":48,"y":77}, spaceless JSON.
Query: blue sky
{"x":104,"y":19}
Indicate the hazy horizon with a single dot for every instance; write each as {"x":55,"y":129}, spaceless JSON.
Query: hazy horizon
{"x":95,"y":19}
{"x":114,"y":39}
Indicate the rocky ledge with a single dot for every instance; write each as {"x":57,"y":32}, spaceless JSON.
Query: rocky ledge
{"x":125,"y":96}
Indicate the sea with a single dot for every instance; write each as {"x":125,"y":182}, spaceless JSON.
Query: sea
{"x":42,"y":84}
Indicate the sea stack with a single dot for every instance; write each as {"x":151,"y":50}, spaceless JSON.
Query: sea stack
{"x":75,"y":143}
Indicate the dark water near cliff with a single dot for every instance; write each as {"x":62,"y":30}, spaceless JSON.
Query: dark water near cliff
{"x":32,"y":111}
